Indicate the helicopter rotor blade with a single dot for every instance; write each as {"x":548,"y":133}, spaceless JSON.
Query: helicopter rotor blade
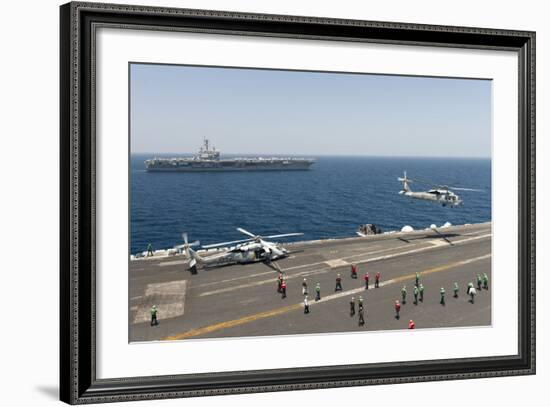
{"x":283,"y":235}
{"x":413,"y":180}
{"x":246,"y":232}
{"x":272,"y":265}
{"x":192,"y":244}
{"x":468,"y":189}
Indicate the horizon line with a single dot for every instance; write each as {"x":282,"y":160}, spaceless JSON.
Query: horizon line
{"x":316,"y":155}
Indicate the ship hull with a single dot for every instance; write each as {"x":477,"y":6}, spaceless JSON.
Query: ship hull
{"x":221,"y":168}
{"x":229,"y":166}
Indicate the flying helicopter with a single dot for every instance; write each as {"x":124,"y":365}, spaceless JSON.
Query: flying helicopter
{"x":440,"y":194}
{"x":251,"y":250}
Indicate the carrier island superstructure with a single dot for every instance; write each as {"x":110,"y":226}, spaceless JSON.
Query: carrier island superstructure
{"x":208,"y":159}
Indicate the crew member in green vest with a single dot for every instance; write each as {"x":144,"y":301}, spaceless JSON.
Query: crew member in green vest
{"x":404,"y":295}
{"x":485,"y":281}
{"x":421,"y":291}
{"x":415,"y":292}
{"x":442,"y":292}
{"x":455,"y":289}
{"x":149,"y":250}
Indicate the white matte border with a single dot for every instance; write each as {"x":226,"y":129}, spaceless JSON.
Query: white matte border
{"x":116,"y":358}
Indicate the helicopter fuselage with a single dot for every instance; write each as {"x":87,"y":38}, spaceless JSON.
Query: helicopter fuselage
{"x":442,"y":196}
{"x":242,"y":254}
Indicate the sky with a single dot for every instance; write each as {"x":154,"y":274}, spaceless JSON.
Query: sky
{"x":273,"y":112}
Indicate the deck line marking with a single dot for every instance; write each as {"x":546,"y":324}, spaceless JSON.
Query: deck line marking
{"x":278,"y":311}
{"x":325,"y":269}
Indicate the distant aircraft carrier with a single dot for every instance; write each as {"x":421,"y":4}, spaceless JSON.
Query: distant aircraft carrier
{"x":208,"y":159}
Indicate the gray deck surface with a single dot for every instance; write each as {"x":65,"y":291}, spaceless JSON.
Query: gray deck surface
{"x":242,"y":300}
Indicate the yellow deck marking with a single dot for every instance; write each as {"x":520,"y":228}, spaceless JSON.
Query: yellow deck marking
{"x":232,"y":323}
{"x":282,"y":310}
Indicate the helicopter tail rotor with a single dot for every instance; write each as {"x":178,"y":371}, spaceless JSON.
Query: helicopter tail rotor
{"x":405,"y":181}
{"x":186,"y":246}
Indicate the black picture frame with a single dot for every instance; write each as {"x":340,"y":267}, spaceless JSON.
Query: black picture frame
{"x":78,"y":381}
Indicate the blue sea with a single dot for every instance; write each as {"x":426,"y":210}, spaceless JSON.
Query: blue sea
{"x":330,"y":200}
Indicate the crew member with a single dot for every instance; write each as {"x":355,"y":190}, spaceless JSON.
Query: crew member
{"x":421,"y":292}
{"x":479,"y":282}
{"x":361,"y":317}
{"x":472,"y":293}
{"x":377,"y":280}
{"x":470,"y":285}
{"x":154,"y":312}
{"x":360,"y":303}
{"x":404,"y":295}
{"x":150,"y":250}
{"x":304,"y":287}
{"x":397,"y":309}
{"x":306,"y":305}
{"x":366,"y":277}
{"x":353,"y":271}
{"x":485,"y":281}
{"x":455,"y":289}
{"x":283,"y":289}
{"x":279,"y":282}
{"x":318,"y":292}
{"x":411,"y":324}
{"x":442,"y":292}
{"x":415,"y":292}
{"x":338,"y":283}
{"x":417,"y":279}
{"x":352,"y":307}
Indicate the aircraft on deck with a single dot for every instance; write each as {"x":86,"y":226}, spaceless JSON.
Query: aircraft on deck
{"x":251,"y":250}
{"x":441,"y":194}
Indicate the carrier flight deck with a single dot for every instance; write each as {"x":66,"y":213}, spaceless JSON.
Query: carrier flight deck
{"x":242,"y":300}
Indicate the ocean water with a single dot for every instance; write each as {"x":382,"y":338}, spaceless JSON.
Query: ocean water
{"x":330,"y":200}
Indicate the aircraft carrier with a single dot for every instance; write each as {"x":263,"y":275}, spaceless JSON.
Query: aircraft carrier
{"x":242,"y":300}
{"x":208,"y":159}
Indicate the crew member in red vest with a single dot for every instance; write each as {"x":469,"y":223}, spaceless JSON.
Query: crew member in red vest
{"x":411,"y":324}
{"x":397,"y":309}
{"x":279,"y":282}
{"x":283,"y":289}
{"x":353,"y":271}
{"x":377,"y":280}
{"x":366,"y":277}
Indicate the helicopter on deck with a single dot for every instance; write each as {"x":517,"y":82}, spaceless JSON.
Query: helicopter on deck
{"x":251,"y":250}
{"x":441,"y":194}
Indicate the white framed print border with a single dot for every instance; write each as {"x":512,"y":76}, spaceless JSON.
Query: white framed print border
{"x":79,"y":381}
